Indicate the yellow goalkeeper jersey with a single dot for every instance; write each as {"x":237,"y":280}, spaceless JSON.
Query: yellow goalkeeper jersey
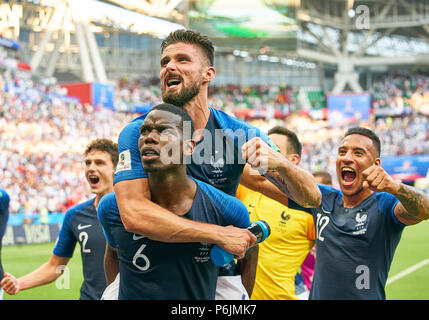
{"x":282,"y":253}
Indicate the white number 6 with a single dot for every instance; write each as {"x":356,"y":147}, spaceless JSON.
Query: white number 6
{"x":142,"y":256}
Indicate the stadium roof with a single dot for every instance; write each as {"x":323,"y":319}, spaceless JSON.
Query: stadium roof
{"x":106,"y":14}
{"x":395,"y":26}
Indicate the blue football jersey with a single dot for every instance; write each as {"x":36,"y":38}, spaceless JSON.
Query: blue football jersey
{"x":154,"y":270}
{"x":4,"y":215}
{"x":355,"y":246}
{"x":217,"y":157}
{"x":81,"y":225}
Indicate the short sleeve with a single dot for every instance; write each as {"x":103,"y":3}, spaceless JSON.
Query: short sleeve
{"x":108,"y":215}
{"x":66,"y":240}
{"x":129,"y":163}
{"x":311,"y":233}
{"x":386,"y":203}
{"x":233,"y":210}
{"x":240,"y":194}
{"x":4,"y":212}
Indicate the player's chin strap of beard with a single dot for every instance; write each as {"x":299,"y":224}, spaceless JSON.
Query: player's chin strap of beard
{"x":259,"y":228}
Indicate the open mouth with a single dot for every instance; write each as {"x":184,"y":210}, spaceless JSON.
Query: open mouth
{"x":172,"y":82}
{"x":93,"y":179}
{"x":348,"y":175}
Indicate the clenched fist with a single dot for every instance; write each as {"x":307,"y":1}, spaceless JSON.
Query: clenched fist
{"x":378,"y":180}
{"x":10,"y":284}
{"x":261,"y":156}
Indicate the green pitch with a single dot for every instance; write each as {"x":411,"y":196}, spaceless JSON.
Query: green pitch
{"x":410,"y":256}
{"x":412,"y":251}
{"x":21,"y":259}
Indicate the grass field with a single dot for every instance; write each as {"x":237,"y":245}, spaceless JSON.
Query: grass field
{"x":21,"y":259}
{"x":413,"y":284}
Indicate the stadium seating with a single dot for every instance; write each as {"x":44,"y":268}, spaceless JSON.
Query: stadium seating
{"x":44,"y":132}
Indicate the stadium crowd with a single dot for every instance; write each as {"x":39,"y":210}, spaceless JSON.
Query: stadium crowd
{"x":42,"y":131}
{"x":42,"y":137}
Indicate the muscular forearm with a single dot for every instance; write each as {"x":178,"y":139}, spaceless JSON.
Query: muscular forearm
{"x":141,"y":216}
{"x":147,"y":218}
{"x":252,"y":180}
{"x":297,"y":184}
{"x":415,"y":203}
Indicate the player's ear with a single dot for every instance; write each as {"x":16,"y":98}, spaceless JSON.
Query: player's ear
{"x":188,"y":147}
{"x":294,"y":158}
{"x":209,"y":74}
{"x":377,"y":162}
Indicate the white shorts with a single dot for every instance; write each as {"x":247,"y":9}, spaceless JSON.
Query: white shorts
{"x":230,"y":288}
{"x":112,"y":290}
{"x":1,"y":293}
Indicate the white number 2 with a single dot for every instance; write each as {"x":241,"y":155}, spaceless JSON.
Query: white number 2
{"x":320,"y":225}
{"x":142,"y":256}
{"x":83,"y":237}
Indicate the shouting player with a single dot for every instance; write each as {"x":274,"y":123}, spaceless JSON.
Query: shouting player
{"x":359,"y":227}
{"x":223,"y":145}
{"x":80,"y":225}
{"x":151,"y":269}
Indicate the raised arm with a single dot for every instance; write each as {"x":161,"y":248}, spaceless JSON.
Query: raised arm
{"x":295,"y":182}
{"x":413,"y":206}
{"x":141,"y":216}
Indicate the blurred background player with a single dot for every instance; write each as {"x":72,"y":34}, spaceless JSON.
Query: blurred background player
{"x":80,"y":225}
{"x":186,"y":70}
{"x":159,"y":270}
{"x":323,"y":177}
{"x":4,"y":215}
{"x":292,"y":231}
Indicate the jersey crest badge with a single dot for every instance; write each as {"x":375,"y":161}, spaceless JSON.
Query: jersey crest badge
{"x":124,"y":162}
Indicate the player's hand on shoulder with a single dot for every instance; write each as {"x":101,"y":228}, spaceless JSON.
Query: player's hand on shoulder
{"x":10,"y":284}
{"x":378,"y":180}
{"x":237,"y":241}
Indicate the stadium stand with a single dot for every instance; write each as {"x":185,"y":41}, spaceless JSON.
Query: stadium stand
{"x":43,"y":130}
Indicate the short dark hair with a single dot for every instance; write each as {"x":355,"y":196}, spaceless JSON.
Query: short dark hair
{"x":326,"y":177}
{"x":292,"y":138}
{"x":176,"y":110}
{"x":105,"y":145}
{"x":367,"y":133}
{"x":193,"y":37}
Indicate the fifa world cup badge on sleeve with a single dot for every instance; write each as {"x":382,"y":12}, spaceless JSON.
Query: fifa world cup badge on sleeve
{"x":124,"y":162}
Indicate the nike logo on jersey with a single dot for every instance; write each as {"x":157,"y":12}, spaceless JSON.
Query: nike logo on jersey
{"x":326,"y":211}
{"x":80,"y":227}
{"x":136,"y":237}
